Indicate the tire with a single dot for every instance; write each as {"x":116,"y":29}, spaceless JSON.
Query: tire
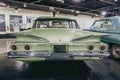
{"x":115,"y":51}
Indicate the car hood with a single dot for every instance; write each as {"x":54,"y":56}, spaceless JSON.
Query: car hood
{"x":56,"y":35}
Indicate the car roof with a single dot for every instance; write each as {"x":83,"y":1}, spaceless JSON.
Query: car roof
{"x":46,"y":17}
{"x":114,"y":17}
{"x":115,"y":20}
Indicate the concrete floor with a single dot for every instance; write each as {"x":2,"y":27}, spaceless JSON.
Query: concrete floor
{"x":106,"y":69}
{"x":48,"y":70}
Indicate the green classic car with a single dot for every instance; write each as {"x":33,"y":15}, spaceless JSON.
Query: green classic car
{"x":54,"y":38}
{"x":111,"y":26}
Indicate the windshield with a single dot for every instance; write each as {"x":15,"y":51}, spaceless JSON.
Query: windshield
{"x":55,"y":23}
{"x":102,"y":24}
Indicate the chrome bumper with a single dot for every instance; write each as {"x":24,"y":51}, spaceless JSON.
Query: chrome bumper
{"x":54,"y":56}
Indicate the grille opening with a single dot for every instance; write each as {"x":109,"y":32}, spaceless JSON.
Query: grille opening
{"x":60,"y":49}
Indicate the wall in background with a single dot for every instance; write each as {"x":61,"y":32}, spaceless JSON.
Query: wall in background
{"x":2,"y":23}
{"x":28,"y":16}
{"x":84,"y":21}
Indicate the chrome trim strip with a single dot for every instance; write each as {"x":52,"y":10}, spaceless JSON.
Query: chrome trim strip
{"x":56,"y":55}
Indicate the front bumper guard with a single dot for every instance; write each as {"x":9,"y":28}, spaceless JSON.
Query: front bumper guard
{"x":57,"y":55}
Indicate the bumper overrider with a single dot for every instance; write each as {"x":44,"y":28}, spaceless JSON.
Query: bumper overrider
{"x":57,"y":56}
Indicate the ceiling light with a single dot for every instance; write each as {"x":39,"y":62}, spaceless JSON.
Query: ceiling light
{"x":103,"y":13}
{"x":115,"y":0}
{"x":77,"y":1}
{"x":96,"y":15}
{"x":24,"y":5}
{"x":77,"y":12}
{"x":62,"y":1}
{"x":72,"y":10}
{"x":57,"y":12}
{"x":36,"y":2}
{"x":51,"y":8}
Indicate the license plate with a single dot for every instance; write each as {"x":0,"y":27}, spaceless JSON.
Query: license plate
{"x":59,"y":48}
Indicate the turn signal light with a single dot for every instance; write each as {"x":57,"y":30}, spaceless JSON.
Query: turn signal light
{"x":27,"y":47}
{"x":102,"y":48}
{"x":90,"y":47}
{"x":14,"y":47}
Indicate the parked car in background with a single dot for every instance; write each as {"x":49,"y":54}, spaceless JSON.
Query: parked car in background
{"x":54,"y":38}
{"x":111,"y":26}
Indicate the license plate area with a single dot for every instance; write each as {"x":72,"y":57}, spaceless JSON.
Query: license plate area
{"x":60,"y":49}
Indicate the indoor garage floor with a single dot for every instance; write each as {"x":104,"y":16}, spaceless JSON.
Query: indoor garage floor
{"x":106,"y":69}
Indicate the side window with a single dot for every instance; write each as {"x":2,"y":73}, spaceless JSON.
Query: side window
{"x":103,"y":24}
{"x":108,"y":24}
{"x":65,"y":24}
{"x":37,"y":24}
{"x":43,"y":24}
{"x":74,"y":25}
{"x":98,"y":24}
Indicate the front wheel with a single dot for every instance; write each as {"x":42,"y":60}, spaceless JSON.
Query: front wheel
{"x":115,"y":51}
